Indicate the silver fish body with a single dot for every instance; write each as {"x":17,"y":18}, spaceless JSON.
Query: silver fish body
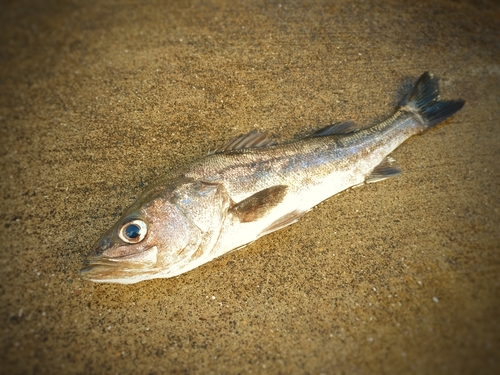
{"x":251,"y":187}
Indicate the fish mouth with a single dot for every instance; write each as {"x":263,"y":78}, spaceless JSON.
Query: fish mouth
{"x":101,"y":267}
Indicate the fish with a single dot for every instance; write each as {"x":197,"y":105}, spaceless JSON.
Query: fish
{"x":252,"y":186}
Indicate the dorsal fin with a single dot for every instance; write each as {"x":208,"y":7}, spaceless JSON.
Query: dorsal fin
{"x":338,"y":128}
{"x":253,"y":139}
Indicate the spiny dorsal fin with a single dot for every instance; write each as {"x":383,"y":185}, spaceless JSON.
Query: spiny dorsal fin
{"x":257,"y":205}
{"x":338,"y":128}
{"x":253,"y":139}
{"x":386,"y":169}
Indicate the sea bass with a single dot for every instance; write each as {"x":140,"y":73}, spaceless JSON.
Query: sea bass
{"x":251,"y":187}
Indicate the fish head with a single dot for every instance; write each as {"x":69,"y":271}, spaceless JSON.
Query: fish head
{"x":162,"y":235}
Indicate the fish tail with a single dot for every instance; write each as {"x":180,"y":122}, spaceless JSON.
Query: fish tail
{"x":424,"y":101}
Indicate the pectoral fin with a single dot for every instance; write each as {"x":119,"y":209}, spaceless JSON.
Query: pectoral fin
{"x":257,"y":205}
{"x":386,"y":169}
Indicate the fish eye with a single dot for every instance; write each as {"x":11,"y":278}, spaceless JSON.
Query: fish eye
{"x":133,"y":232}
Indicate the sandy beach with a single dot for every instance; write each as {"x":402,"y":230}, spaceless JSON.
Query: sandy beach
{"x":98,"y":99}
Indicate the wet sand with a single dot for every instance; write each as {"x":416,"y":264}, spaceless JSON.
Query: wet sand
{"x":99,"y":99}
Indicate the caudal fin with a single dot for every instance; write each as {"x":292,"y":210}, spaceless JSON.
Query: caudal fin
{"x":424,"y":100}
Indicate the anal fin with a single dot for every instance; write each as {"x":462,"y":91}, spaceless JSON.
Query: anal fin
{"x":386,"y":169}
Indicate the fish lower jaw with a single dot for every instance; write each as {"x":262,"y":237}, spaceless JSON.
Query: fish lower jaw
{"x":107,"y":270}
{"x":144,"y":258}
